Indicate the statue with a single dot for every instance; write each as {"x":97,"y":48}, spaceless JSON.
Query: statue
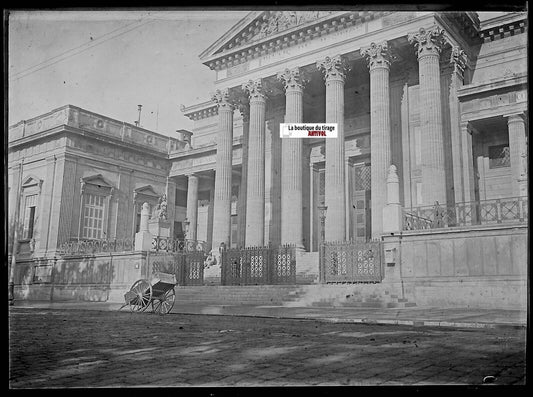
{"x":161,"y":209}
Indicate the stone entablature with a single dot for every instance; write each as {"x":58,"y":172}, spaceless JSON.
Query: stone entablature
{"x":505,"y":26}
{"x":78,"y":118}
{"x":493,"y":98}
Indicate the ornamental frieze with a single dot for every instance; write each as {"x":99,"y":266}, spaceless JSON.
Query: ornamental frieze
{"x":283,"y":20}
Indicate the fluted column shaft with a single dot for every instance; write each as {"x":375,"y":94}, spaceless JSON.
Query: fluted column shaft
{"x":378,"y":56}
{"x":222,"y":199}
{"x":334,"y":69}
{"x":192,"y":206}
{"x":255,"y":190}
{"x":291,"y":162}
{"x":518,"y":152}
{"x":429,"y":44}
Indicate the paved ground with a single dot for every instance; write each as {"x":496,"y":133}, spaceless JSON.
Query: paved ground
{"x":57,"y":347}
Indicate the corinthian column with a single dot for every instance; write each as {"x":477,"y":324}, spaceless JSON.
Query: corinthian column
{"x":379,"y":59}
{"x":255,"y":203}
{"x":291,"y":161}
{"x":222,"y":199}
{"x":334,"y":69}
{"x":429,"y":45}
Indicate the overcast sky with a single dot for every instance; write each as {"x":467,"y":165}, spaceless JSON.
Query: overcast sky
{"x":108,"y":62}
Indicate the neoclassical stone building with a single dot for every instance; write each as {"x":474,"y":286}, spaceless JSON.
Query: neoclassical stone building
{"x":439,"y":96}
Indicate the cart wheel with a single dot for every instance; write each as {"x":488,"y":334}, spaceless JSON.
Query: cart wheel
{"x":165,"y":303}
{"x":143,"y":296}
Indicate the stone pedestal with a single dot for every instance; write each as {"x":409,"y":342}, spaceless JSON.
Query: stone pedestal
{"x":143,"y":238}
{"x":159,"y":228}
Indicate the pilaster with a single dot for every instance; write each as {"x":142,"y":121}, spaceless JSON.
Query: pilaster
{"x":458,"y":61}
{"x":518,"y":152}
{"x":192,"y":206}
{"x":62,"y":202}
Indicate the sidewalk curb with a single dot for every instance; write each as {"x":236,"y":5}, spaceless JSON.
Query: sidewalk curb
{"x":338,"y":320}
{"x":324,"y":319}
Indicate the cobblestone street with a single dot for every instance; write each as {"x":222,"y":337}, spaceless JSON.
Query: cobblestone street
{"x":82,"y":348}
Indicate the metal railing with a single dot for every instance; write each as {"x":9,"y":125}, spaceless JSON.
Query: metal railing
{"x":95,"y":246}
{"x":484,"y":212}
{"x":351,"y":262}
{"x":167,"y":244}
{"x":188,"y":267}
{"x":259,"y":265}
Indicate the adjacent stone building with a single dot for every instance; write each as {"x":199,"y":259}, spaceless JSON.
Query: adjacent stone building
{"x":440,"y":96}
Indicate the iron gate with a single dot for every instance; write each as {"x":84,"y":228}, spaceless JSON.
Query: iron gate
{"x":259,"y":265}
{"x":188,"y":267}
{"x":351,"y":262}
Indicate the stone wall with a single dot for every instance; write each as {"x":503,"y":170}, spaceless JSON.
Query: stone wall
{"x":98,"y":277}
{"x":485,"y":267}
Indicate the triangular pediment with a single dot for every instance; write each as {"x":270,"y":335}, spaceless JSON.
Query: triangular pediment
{"x":262,"y":25}
{"x":30,"y":181}
{"x":97,"y":180}
{"x":146,"y":190}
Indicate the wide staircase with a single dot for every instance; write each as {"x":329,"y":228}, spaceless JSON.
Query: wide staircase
{"x":315,"y":295}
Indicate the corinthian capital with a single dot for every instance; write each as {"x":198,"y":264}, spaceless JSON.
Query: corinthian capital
{"x":458,"y":59}
{"x":255,"y":89}
{"x":224,"y":99}
{"x":333,"y":67}
{"x":427,"y":41}
{"x":378,"y":55}
{"x":292,"y":79}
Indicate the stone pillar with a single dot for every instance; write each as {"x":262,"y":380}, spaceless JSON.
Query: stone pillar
{"x":379,"y":59}
{"x":291,"y":161}
{"x":143,"y":238}
{"x":222,"y":199}
{"x":518,"y":152}
{"x":14,"y":202}
{"x":458,"y":60}
{"x":429,"y":45}
{"x":255,"y":194}
{"x":334,"y":69}
{"x":392,"y":211}
{"x":192,"y":206}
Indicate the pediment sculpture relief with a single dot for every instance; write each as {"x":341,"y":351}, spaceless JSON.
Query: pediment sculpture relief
{"x":282,"y":20}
